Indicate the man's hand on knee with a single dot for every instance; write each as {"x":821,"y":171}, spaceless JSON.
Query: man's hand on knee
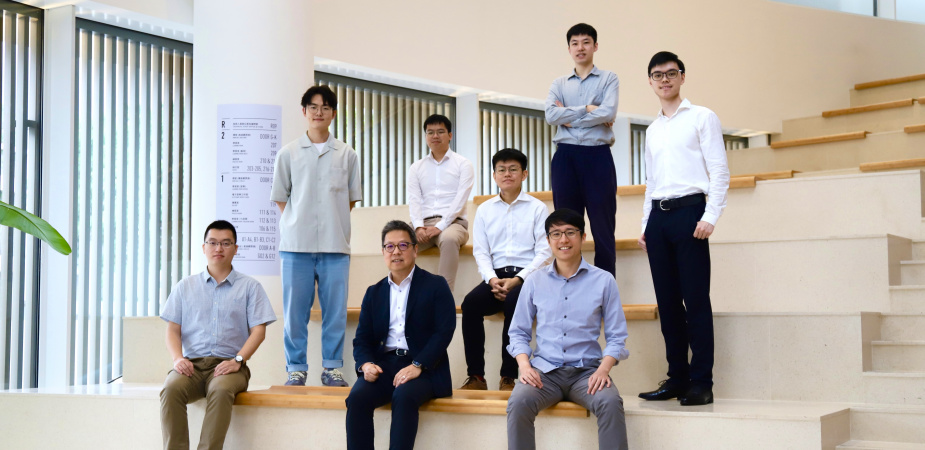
{"x":421,"y":234}
{"x":226,"y":367}
{"x":183,"y":366}
{"x":371,"y":372}
{"x":599,"y":380}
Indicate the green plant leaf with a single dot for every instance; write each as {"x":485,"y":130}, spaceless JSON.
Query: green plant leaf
{"x":29,"y":223}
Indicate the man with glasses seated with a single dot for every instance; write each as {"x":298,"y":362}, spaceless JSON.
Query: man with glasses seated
{"x":570,"y":301}
{"x":686,"y":182}
{"x":215,"y":322}
{"x":509,"y":243}
{"x":406,"y":323}
{"x":316,"y":184}
{"x":438,"y":188}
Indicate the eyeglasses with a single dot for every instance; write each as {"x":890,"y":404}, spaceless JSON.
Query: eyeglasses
{"x":403,"y":246}
{"x":223,"y":244}
{"x":504,"y":170}
{"x":671,"y":74}
{"x":572,"y":234}
{"x":314,"y":109}
{"x":431,"y":133}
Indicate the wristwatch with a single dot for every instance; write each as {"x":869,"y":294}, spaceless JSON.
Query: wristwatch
{"x":417,"y":364}
{"x":239,"y":358}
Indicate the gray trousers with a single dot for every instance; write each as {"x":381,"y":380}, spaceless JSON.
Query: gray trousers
{"x":565,"y":383}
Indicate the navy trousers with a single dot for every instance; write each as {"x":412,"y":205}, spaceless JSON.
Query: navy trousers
{"x":583,"y":177}
{"x":365,"y":397}
{"x":680,"y":267}
{"x":480,"y":302}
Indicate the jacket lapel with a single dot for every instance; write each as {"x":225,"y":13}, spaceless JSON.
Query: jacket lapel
{"x":413,"y":293}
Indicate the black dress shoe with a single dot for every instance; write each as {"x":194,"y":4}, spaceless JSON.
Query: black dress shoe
{"x":666,"y":390}
{"x":697,"y":395}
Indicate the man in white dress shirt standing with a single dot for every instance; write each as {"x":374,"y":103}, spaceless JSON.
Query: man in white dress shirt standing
{"x":438,"y":189}
{"x":686,"y":182}
{"x":508,"y":243}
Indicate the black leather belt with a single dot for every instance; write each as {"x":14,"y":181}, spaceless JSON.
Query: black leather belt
{"x":674,"y":203}
{"x":433,"y":217}
{"x":398,"y":351}
{"x":509,"y":269}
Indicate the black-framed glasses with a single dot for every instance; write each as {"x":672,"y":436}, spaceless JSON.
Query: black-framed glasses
{"x":223,"y":244}
{"x":403,"y":246}
{"x":441,"y":132}
{"x":571,"y":233}
{"x":671,"y":74}
{"x":324,"y":109}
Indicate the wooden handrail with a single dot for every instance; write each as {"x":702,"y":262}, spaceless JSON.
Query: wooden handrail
{"x":869,"y":108}
{"x":820,"y":139}
{"x":914,"y":128}
{"x":462,"y":402}
{"x":888,"y":81}
{"x":631,"y":311}
{"x":892,"y":165}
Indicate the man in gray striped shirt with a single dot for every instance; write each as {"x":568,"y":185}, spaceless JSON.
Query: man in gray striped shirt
{"x":215,"y":322}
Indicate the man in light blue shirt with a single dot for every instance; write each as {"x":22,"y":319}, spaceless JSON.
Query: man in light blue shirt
{"x":215,"y":322}
{"x":569,"y":300}
{"x":583,"y":104}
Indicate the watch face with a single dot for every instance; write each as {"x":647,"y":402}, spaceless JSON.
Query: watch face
{"x":239,"y":358}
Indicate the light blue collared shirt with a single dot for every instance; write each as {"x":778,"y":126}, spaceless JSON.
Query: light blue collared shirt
{"x":569,"y":313}
{"x":600,"y":88}
{"x":215,"y":319}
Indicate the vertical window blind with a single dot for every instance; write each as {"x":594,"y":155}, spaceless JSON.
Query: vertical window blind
{"x":384,"y":124}
{"x":521,"y":128}
{"x":20,"y":186}
{"x":131,"y":194}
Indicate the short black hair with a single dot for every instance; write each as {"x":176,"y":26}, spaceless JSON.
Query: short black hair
{"x":437,"y":119}
{"x":328,"y":97}
{"x":398,"y":225}
{"x":509,"y":154}
{"x":578,"y":30}
{"x":662,"y":58}
{"x":565,"y":216}
{"x":221,"y":225}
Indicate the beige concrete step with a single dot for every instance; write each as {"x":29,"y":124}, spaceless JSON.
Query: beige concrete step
{"x":884,"y":93}
{"x":898,"y":356}
{"x":918,"y":249}
{"x":907,"y":299}
{"x":896,"y":424}
{"x":900,"y":388}
{"x":879,"y":445}
{"x":902,"y":327}
{"x":913,"y":272}
{"x":131,"y":411}
{"x":876,"y":147}
{"x":893,"y":115}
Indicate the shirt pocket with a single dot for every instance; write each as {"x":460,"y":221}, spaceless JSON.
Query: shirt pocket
{"x":337,"y":179}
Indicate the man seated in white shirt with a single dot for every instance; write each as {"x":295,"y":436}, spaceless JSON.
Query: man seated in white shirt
{"x":438,"y":189}
{"x":686,"y":182}
{"x":509,"y":243}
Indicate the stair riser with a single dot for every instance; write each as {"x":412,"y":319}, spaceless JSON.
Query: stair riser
{"x":913,"y":274}
{"x":890,"y":426}
{"x":918,"y":251}
{"x":913,"y":89}
{"x":907,"y":358}
{"x":899,"y":390}
{"x":892,"y":119}
{"x":902,"y":328}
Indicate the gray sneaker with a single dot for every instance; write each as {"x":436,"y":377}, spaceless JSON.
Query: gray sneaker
{"x":297,"y":378}
{"x":332,"y":377}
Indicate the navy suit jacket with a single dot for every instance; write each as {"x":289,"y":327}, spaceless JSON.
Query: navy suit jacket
{"x":430,"y":321}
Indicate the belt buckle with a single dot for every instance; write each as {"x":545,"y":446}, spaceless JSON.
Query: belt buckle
{"x":401,"y":352}
{"x":661,"y":205}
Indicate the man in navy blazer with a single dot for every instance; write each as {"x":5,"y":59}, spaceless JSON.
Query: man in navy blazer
{"x":407,"y":321}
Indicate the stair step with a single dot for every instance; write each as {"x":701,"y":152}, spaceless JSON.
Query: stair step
{"x":914,"y":88}
{"x":902,"y":327}
{"x":898,"y":388}
{"x":907,"y":299}
{"x":879,"y":445}
{"x":854,"y":135}
{"x":888,"y":423}
{"x":915,"y":128}
{"x":889,"y":81}
{"x":913,"y":272}
{"x":906,"y":102}
{"x":898,"y":356}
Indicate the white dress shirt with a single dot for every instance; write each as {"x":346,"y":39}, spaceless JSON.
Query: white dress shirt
{"x":685,"y":154}
{"x":439,"y":188}
{"x":398,"y":307}
{"x":510,"y":235}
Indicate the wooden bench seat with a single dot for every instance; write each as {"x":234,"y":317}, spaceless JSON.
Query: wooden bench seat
{"x":868,"y":108}
{"x":631,"y":311}
{"x":915,"y":128}
{"x":736,"y":182}
{"x":820,"y":139}
{"x":892,"y":165}
{"x":462,"y":402}
{"x":888,"y":82}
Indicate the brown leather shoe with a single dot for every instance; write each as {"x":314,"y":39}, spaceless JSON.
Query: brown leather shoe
{"x":473,"y":383}
{"x":506,"y":384}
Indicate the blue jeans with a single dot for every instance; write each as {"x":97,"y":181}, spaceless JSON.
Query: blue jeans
{"x":300,"y":272}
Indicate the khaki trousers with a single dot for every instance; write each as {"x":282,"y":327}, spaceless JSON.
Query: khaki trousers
{"x":449,"y":240}
{"x":219,"y":392}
